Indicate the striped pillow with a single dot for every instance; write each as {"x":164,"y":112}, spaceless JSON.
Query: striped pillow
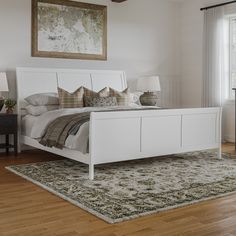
{"x":123,"y":98}
{"x":71,"y":100}
{"x":103,"y":93}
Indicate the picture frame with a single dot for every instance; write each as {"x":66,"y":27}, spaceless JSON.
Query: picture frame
{"x":69,"y":29}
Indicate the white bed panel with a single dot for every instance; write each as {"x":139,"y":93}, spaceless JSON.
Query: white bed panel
{"x":113,"y":80}
{"x":161,"y":134}
{"x":32,"y":83}
{"x":40,"y":82}
{"x":72,"y":81}
{"x":199,"y":130}
{"x":111,"y":148}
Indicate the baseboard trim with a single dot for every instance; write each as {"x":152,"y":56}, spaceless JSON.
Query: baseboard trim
{"x":229,"y":138}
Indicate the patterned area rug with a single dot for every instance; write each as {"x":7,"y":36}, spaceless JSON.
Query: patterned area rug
{"x":123,"y":191}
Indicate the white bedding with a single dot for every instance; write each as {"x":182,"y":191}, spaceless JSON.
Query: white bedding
{"x":27,"y":124}
{"x":35,"y":127}
{"x":78,"y":142}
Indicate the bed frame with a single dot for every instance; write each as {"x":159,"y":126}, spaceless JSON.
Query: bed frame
{"x":123,"y":135}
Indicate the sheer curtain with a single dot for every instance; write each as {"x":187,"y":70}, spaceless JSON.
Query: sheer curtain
{"x":215,"y":58}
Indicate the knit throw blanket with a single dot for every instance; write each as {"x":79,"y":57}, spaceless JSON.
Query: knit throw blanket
{"x":58,"y":130}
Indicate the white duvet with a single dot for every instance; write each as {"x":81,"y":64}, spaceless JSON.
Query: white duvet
{"x":77,"y":142}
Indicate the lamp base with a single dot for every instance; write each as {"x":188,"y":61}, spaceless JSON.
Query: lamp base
{"x":149,"y":99}
{"x":1,"y":103}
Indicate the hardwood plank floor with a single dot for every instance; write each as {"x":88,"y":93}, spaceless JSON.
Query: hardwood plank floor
{"x":28,"y":210}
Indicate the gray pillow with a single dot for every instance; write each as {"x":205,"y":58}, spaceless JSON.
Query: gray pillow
{"x":42,"y":99}
{"x":100,"y":102}
{"x":39,"y":110}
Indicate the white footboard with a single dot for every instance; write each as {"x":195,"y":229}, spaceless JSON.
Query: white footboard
{"x":121,"y":136}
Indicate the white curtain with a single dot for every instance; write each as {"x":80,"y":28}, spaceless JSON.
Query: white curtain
{"x":215,"y":58}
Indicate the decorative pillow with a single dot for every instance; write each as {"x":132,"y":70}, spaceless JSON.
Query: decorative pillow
{"x":134,"y":97}
{"x":103,"y":93}
{"x":123,"y":98}
{"x":39,"y":110}
{"x":100,"y":101}
{"x":42,"y":99}
{"x":71,"y":100}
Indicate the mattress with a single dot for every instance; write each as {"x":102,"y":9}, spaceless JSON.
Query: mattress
{"x":30,"y":127}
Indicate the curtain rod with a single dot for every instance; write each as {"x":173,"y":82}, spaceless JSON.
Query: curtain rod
{"x":217,"y":5}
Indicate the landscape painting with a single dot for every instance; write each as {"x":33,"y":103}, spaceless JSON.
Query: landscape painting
{"x":68,"y":29}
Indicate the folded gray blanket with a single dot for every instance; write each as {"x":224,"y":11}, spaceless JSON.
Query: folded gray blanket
{"x":59,"y":129}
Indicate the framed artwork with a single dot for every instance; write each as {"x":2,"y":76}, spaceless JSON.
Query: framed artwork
{"x":68,"y":29}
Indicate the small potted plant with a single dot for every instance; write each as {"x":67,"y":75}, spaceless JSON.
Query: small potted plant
{"x":10,"y":104}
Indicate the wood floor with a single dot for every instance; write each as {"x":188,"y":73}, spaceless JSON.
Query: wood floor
{"x":28,"y":210}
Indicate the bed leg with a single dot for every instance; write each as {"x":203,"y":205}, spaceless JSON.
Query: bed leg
{"x":219,"y":153}
{"x":91,"y":171}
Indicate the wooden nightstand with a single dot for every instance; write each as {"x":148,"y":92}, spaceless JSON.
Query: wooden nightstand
{"x":8,"y":126}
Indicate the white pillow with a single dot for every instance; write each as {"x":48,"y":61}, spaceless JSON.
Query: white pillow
{"x":134,"y":97}
{"x":43,"y":99}
{"x":39,"y":110}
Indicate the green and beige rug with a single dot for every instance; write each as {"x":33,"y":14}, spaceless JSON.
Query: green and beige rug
{"x":123,"y":191}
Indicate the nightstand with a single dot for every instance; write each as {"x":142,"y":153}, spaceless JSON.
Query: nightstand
{"x":8,"y":126}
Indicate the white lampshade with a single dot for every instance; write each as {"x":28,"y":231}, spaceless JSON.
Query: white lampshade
{"x":3,"y":82}
{"x":149,"y":84}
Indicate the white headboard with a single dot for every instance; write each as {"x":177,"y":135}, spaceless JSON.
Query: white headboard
{"x":40,"y":80}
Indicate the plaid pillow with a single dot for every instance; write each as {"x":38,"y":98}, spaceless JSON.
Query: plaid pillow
{"x":71,"y":100}
{"x":123,"y":98}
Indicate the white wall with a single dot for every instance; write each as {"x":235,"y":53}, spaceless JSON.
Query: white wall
{"x":143,"y":39}
{"x":192,"y":21}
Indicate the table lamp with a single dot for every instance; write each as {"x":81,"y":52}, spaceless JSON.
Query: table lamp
{"x":3,"y":87}
{"x":150,"y":86}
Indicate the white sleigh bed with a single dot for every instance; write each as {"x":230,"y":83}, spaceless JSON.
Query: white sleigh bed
{"x":122,"y":135}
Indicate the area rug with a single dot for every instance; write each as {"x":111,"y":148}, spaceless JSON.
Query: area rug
{"x":123,"y":191}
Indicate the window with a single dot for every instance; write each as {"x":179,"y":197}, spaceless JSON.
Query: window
{"x":232,"y":56}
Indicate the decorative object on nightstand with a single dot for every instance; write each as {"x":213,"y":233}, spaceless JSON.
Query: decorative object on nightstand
{"x":3,"y":87}
{"x":150,"y":86}
{"x":8,"y":126}
{"x":10,"y":104}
